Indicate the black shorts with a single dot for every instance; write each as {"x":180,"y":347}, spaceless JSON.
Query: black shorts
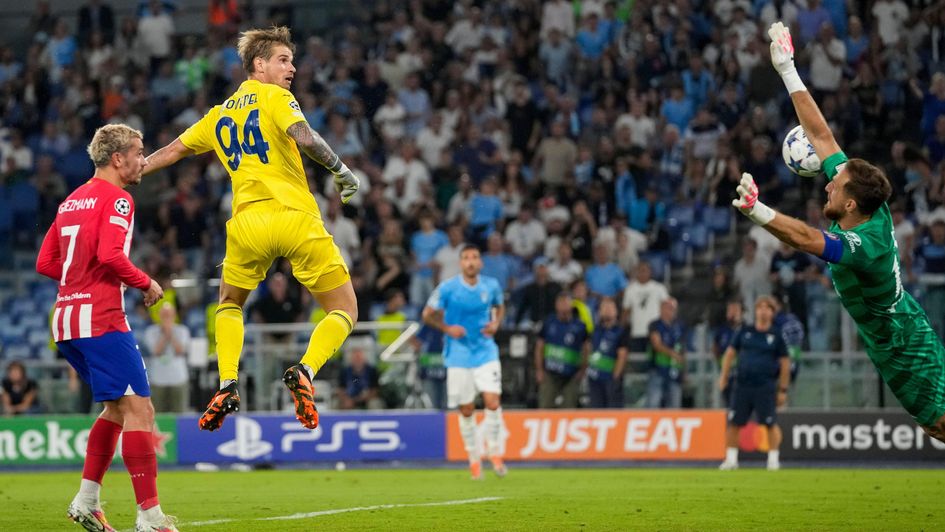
{"x":761,"y":400}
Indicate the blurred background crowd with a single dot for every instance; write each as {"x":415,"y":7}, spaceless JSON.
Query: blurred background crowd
{"x":588,"y":147}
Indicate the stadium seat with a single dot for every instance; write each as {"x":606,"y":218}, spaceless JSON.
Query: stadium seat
{"x":718,"y":219}
{"x":24,"y":202}
{"x":679,"y":217}
{"x":659,"y":263}
{"x":696,"y":236}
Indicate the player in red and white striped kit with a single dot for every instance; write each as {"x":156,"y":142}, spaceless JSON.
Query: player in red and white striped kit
{"x":86,"y":251}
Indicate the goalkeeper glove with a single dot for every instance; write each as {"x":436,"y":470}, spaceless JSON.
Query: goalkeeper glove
{"x":782,"y":57}
{"x":346,"y":183}
{"x":747,"y":201}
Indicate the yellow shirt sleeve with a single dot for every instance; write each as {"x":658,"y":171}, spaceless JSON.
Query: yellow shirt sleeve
{"x":284,"y":109}
{"x":199,"y":137}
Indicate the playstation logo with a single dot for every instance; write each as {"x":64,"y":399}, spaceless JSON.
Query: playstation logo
{"x":248,"y":443}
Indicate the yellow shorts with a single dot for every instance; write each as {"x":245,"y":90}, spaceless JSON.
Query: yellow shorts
{"x":264,"y":230}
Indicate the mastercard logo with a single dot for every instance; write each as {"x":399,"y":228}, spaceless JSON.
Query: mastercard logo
{"x":753,"y":438}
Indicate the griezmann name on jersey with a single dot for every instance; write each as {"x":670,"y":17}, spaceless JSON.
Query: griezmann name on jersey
{"x":86,"y":248}
{"x":471,"y":307}
{"x":248,"y":134}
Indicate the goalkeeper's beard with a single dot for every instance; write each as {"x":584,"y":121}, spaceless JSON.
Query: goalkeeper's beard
{"x":831,"y":213}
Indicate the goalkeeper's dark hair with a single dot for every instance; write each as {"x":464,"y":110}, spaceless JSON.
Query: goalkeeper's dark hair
{"x":868,"y":186}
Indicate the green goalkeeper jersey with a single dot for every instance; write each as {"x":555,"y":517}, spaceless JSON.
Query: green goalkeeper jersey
{"x":864,"y":265}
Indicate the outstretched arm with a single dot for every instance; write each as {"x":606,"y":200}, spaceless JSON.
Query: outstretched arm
{"x":813,"y":122}
{"x":789,"y":230}
{"x":314,"y":146}
{"x":167,"y":156}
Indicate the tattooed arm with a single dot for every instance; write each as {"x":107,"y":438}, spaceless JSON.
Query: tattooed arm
{"x":315,"y":147}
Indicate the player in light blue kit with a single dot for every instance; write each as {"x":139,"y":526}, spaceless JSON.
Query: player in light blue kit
{"x":468,"y":308}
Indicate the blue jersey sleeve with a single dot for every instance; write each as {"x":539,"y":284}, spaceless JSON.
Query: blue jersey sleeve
{"x":438,"y":297}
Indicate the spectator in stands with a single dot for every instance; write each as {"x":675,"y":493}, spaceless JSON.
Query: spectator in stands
{"x":358,"y":385}
{"x":537,"y":299}
{"x":526,"y":235}
{"x":424,"y":245}
{"x":668,"y":358}
{"x":485,"y":213}
{"x":604,"y":277}
{"x":343,"y":230}
{"x":554,"y":156}
{"x":564,"y":270}
{"x":561,"y":352}
{"x":931,"y":257}
{"x":416,"y":102}
{"x":407,"y":177}
{"x":433,"y":139}
{"x":498,"y":264}
{"x":168,"y":344}
{"x":827,"y":59}
{"x":276,"y":306}
{"x":156,"y":28}
{"x":19,"y":391}
{"x":790,"y":271}
{"x":751,"y":275}
{"x":389,"y":119}
{"x":446,"y":260}
{"x":609,"y":348}
{"x":393,"y":315}
{"x":792,"y":332}
{"x":722,"y":337}
{"x":428,"y":343}
{"x":641,"y":305}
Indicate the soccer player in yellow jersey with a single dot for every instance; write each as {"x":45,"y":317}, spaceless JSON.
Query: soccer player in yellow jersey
{"x":257,"y":133}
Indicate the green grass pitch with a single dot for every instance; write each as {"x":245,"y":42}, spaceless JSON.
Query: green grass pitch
{"x":528,"y":499}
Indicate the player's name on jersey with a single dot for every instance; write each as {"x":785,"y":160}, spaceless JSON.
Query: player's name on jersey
{"x":77,"y":205}
{"x":241,"y":102}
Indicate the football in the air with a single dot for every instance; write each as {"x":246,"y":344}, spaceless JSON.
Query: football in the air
{"x":799,"y":154}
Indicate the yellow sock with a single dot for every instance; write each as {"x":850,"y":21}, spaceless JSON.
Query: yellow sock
{"x":229,"y":340}
{"x":327,"y":337}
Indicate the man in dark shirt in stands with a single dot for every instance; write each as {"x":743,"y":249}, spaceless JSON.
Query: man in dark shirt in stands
{"x":358,"y":383}
{"x":538,"y":297}
{"x":19,"y":391}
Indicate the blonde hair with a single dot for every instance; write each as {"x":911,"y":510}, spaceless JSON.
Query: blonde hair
{"x":259,"y":43}
{"x":111,"y":139}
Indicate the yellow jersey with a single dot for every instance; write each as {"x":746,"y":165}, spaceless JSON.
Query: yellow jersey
{"x":248,"y":134}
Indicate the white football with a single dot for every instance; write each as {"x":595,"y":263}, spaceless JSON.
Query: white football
{"x":799,"y":154}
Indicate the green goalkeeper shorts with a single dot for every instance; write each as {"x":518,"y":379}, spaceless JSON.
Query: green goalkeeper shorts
{"x":913,"y":365}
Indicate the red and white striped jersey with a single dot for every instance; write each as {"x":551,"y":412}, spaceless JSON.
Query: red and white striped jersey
{"x":86,"y":250}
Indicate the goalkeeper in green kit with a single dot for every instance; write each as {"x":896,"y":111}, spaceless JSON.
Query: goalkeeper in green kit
{"x":862,"y":256}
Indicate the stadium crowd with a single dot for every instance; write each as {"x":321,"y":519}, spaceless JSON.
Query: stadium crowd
{"x":591,"y":148}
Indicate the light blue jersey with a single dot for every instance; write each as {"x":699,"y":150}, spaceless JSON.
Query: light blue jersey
{"x":471,"y":307}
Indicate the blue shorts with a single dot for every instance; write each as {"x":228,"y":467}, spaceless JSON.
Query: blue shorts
{"x":111,"y":364}
{"x":761,"y":400}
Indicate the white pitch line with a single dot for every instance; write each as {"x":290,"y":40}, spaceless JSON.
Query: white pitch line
{"x":320,"y":513}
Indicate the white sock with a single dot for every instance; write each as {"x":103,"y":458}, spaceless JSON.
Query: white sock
{"x":89,"y":491}
{"x":310,"y":371}
{"x":226,"y":382}
{"x":731,"y":455}
{"x":773,"y":456}
{"x":493,"y":430}
{"x":467,"y":429}
{"x":152,"y":514}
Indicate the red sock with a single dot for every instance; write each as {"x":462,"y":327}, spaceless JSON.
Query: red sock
{"x":137,"y":449}
{"x":100,"y":449}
